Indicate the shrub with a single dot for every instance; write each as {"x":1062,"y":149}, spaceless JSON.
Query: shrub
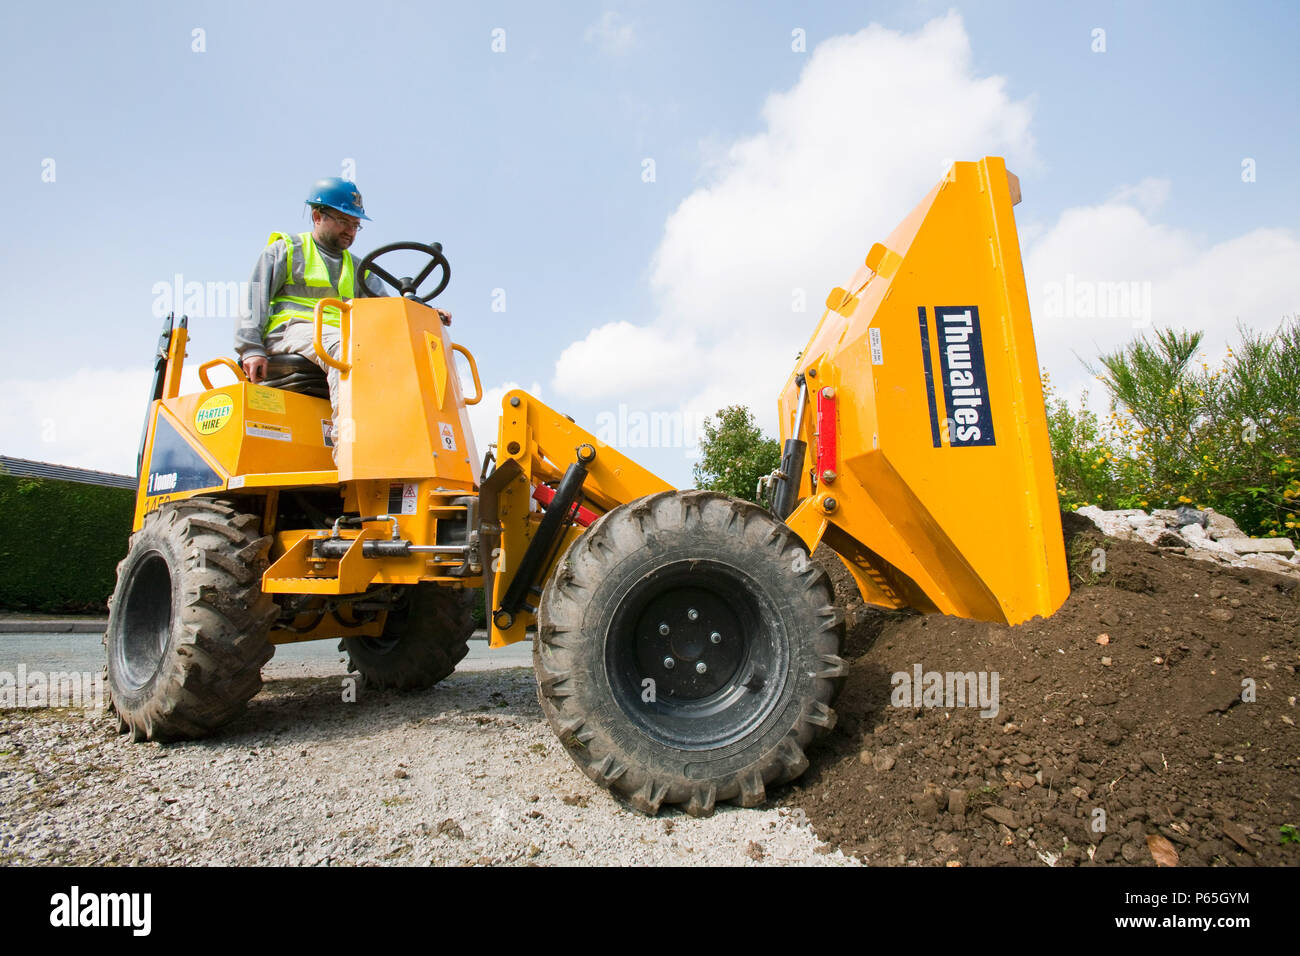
{"x":1181,"y":432}
{"x":734,"y":454}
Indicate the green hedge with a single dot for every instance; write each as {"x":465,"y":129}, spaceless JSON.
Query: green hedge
{"x":60,"y":542}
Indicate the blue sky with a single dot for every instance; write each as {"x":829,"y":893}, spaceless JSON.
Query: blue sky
{"x":176,"y":152}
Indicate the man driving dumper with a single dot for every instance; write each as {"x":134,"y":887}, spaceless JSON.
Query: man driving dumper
{"x":292,"y":274}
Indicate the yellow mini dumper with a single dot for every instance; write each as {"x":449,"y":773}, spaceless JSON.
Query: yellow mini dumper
{"x":686,"y":648}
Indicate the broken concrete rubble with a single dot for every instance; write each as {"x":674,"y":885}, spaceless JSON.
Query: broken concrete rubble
{"x":1208,"y":536}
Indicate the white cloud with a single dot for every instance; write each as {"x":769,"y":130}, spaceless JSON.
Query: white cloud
{"x":611,"y":34}
{"x":1148,"y":195}
{"x":91,"y":418}
{"x":842,"y":156}
{"x":619,"y":359}
{"x":1102,"y":275}
{"x":790,"y":211}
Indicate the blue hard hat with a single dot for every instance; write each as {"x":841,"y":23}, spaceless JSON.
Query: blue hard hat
{"x":337,"y":194}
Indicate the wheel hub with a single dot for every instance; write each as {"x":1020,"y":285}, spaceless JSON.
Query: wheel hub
{"x":691,"y":653}
{"x":676,"y":644}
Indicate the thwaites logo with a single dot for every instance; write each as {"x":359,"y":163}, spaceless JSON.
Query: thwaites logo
{"x":968,"y":416}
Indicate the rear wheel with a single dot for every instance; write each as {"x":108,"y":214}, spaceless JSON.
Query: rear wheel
{"x":687,"y":652}
{"x":187,"y":626}
{"x":424,"y":639}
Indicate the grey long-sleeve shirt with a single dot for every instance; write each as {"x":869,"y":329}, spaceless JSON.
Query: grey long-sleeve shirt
{"x":268,"y":279}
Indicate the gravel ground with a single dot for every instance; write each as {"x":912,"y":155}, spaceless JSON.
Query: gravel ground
{"x":465,"y":774}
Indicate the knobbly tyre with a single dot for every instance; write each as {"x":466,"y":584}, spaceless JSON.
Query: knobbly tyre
{"x":686,"y":648}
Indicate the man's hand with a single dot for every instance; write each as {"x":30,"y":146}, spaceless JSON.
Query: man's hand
{"x":255,"y":368}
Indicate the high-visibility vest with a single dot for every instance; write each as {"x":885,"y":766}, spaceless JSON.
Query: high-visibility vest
{"x":307,"y":282}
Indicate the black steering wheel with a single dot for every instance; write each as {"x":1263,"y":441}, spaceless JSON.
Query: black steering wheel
{"x":407,"y":288}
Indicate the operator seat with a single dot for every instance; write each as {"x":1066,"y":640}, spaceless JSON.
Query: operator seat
{"x":296,"y":373}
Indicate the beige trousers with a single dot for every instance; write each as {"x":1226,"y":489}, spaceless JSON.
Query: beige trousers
{"x":297,"y":338}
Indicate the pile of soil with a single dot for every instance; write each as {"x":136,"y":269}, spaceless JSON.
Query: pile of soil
{"x":1100,"y":752}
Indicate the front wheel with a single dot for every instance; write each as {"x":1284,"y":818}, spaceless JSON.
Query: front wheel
{"x":188,"y":622}
{"x":687,"y":652}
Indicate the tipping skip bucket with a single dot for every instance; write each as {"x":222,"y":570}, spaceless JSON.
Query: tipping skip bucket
{"x":929,"y":469}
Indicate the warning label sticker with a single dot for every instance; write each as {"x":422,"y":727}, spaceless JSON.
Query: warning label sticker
{"x":402,"y":497}
{"x":263,"y":430}
{"x":266,"y":399}
{"x":448,"y":436}
{"x":877,"y":354}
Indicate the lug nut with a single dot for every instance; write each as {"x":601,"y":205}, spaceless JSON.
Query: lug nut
{"x":693,"y":614}
{"x":663,"y":629}
{"x":715,"y":638}
{"x":701,"y":667}
{"x":669,"y":663}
